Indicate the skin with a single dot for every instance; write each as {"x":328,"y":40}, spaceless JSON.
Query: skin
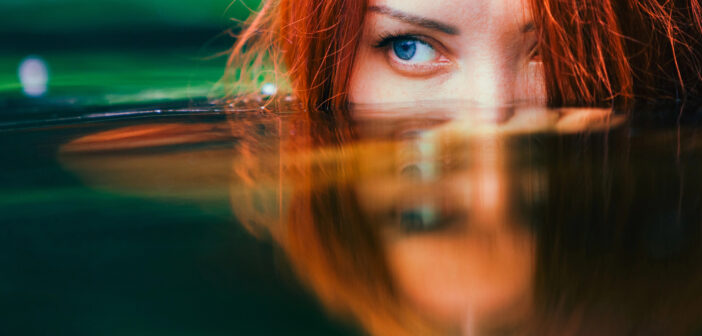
{"x":480,"y":51}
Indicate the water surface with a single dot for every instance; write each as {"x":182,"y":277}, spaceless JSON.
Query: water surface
{"x":194,"y":218}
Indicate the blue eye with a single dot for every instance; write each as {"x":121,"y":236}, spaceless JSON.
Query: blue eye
{"x":424,"y":218}
{"x":413,"y":50}
{"x":405,"y":49}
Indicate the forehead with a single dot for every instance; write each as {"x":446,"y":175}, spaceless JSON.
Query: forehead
{"x":467,"y":15}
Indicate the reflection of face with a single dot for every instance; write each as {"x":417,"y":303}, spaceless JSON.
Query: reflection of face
{"x":454,"y":247}
{"x":474,"y":50}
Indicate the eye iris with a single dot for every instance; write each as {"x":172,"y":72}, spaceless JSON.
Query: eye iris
{"x":405,"y":49}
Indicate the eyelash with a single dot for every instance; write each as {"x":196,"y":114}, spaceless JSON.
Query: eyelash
{"x":385,"y":43}
{"x":411,"y":69}
{"x":385,"y":40}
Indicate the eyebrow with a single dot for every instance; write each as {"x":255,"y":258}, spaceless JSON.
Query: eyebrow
{"x":429,"y":23}
{"x":415,"y":20}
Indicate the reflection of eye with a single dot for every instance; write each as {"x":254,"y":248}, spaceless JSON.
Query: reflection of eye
{"x":413,"y":50}
{"x":427,"y":218}
{"x":411,"y":172}
{"x":418,"y":219}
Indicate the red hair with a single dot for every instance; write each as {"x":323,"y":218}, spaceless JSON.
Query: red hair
{"x":599,"y":52}
{"x":314,"y":41}
{"x":595,"y":52}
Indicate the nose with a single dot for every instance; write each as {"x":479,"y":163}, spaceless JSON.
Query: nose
{"x":485,"y":81}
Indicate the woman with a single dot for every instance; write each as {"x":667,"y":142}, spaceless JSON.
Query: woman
{"x":592,"y":53}
{"x":334,"y":54}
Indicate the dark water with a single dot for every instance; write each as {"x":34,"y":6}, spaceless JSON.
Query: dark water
{"x":83,"y":259}
{"x":424,"y":220}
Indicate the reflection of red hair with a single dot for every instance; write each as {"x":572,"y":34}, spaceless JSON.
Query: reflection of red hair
{"x":332,"y":246}
{"x":602,"y":265}
{"x":595,"y":52}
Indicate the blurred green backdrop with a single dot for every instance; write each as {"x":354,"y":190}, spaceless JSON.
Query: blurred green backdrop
{"x":106,"y":52}
{"x":78,"y":15}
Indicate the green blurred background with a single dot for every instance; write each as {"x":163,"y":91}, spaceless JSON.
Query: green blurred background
{"x":76,"y":259}
{"x":109,"y":52}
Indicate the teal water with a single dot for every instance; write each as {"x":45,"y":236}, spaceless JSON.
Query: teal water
{"x":78,"y":259}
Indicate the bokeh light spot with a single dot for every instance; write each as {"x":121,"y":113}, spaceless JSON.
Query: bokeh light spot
{"x":34,"y":76}
{"x":269,"y":89}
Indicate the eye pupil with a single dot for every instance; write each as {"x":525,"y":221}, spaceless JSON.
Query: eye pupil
{"x":405,"y":49}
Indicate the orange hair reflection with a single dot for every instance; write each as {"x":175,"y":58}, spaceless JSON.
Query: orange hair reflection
{"x":331,"y":246}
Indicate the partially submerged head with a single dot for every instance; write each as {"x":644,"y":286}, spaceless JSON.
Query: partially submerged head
{"x":598,"y":52}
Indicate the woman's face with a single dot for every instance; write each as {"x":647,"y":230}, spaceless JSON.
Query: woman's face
{"x":480,"y":51}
